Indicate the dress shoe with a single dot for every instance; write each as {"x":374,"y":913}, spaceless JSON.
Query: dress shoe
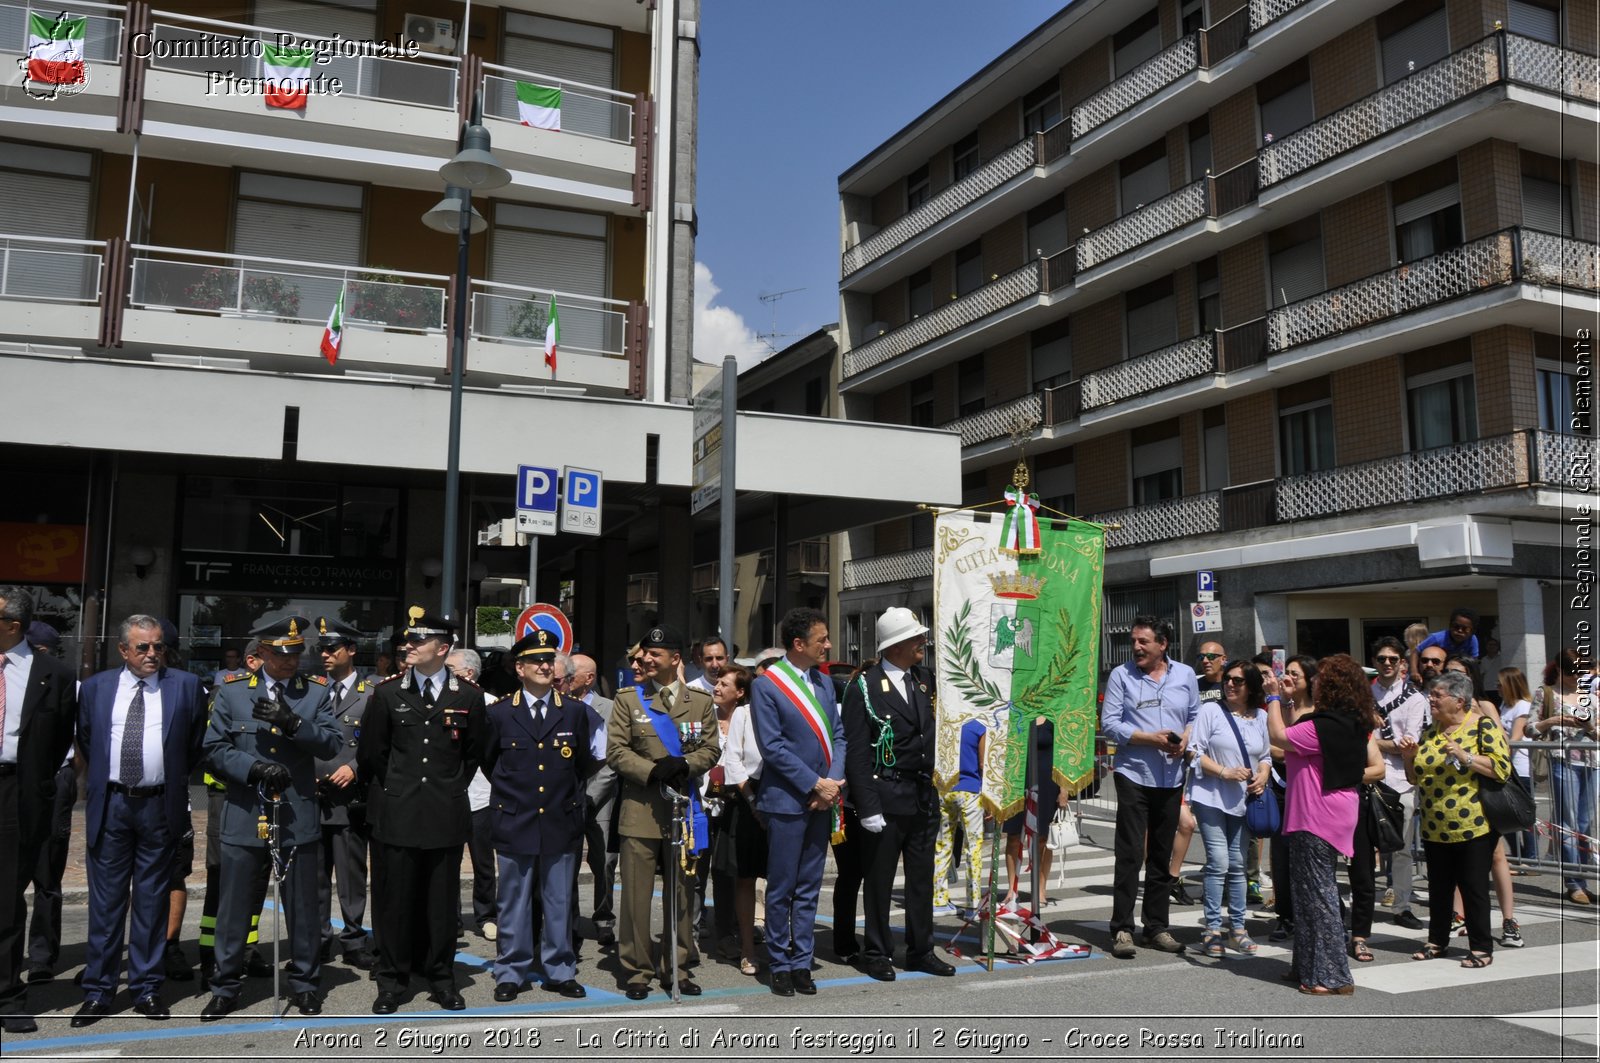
{"x":18,"y":1024}
{"x":569,"y":988}
{"x":150,"y":1007}
{"x":782,"y":984}
{"x":933,"y":965}
{"x":505,"y":992}
{"x":1180,"y":893}
{"x":803,"y":983}
{"x":217,"y":1007}
{"x":176,"y":964}
{"x":255,"y":965}
{"x":361,"y":959}
{"x":386,"y":1004}
{"x":91,"y":1012}
{"x":637,"y":991}
{"x":40,"y":974}
{"x":307,"y":1003}
{"x":449,"y":1000}
{"x":688,"y":987}
{"x":1408,"y":920}
{"x":881,"y":969}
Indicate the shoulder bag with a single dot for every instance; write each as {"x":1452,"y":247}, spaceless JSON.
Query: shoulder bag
{"x":1385,"y":817}
{"x":1261,"y":812}
{"x":1506,"y":805}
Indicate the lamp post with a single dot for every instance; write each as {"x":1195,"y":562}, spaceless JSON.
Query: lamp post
{"x":472,"y":169}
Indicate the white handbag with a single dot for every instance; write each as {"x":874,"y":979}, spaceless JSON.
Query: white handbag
{"x":1063,"y":829}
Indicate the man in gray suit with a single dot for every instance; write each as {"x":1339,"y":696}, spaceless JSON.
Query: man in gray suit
{"x":343,"y":799}
{"x":601,"y":807}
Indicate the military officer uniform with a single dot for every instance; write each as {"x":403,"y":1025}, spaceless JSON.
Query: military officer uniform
{"x":421,"y":740}
{"x":264,"y":737}
{"x":636,"y":749}
{"x":344,"y":812}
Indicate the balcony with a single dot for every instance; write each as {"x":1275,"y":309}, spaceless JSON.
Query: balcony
{"x":1137,"y":85}
{"x":809,"y":557}
{"x":508,"y":327}
{"x":902,"y":567}
{"x":50,"y":289}
{"x":1143,"y":224}
{"x":595,"y":142}
{"x":1266,"y":12}
{"x":1561,"y":71}
{"x":1017,"y":417}
{"x":1192,"y":358}
{"x":1172,"y":518}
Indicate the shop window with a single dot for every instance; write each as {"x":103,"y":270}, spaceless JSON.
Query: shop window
{"x":289,"y":518}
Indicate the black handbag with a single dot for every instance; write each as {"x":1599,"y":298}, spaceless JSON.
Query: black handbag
{"x":1506,"y":805}
{"x":1385,"y":817}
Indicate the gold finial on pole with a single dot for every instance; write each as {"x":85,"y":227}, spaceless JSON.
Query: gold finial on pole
{"x":1022,"y":426}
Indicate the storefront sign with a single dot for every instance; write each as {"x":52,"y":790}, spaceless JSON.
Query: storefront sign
{"x":317,"y":576}
{"x":41,"y":553}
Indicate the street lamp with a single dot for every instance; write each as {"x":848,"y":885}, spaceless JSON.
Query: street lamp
{"x":473,"y":169}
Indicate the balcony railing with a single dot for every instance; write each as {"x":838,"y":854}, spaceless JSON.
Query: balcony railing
{"x":44,"y":269}
{"x":509,"y":313}
{"x":1146,"y":222}
{"x":1263,"y":12}
{"x":1019,"y":415}
{"x":102,"y":28}
{"x":429,"y":82}
{"x":1564,"y":261}
{"x":1016,"y":159}
{"x":586,"y":110}
{"x":1565,"y":460}
{"x":1195,"y":357}
{"x":1173,"y":518}
{"x":1062,"y":403}
{"x":1466,"y":468}
{"x":1012,"y":288}
{"x":1224,"y":37}
{"x":166,"y":278}
{"x":1137,"y":85}
{"x":889,"y":568}
{"x":1559,"y":70}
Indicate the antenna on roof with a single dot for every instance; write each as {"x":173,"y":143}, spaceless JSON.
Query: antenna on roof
{"x":771,"y":299}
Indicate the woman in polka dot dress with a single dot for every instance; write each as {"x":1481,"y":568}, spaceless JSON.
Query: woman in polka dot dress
{"x":1454,"y":753}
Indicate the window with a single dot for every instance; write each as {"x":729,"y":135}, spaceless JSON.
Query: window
{"x":1545,"y":206}
{"x":1214,"y":442}
{"x":975,"y":488}
{"x":969,"y":268}
{"x":1208,"y":295}
{"x":319,"y":220}
{"x":1193,"y":14}
{"x":1041,"y":108}
{"x":964,"y":157}
{"x":1428,"y":224}
{"x":1047,"y":228}
{"x":1294,"y":261}
{"x":1052,"y":355}
{"x":969,"y":385}
{"x":290,"y":518}
{"x":922,"y":402}
{"x":576,"y":51}
{"x":556,"y":250}
{"x":1157,"y":463}
{"x":1136,"y":42}
{"x":32,"y":176}
{"x":1558,"y":394}
{"x":917,"y":187}
{"x":1199,"y":147}
{"x":922,"y":531}
{"x":1442,"y":407}
{"x":1152,"y":317}
{"x":1409,"y":46}
{"x":1144,"y":177}
{"x":1286,"y":103}
{"x":814,"y":406}
{"x":1305,"y":438}
{"x":919,"y":293}
{"x":1056,"y":482}
{"x":1534,"y":20}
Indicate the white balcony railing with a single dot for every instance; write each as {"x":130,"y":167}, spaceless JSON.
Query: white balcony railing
{"x":586,"y":110}
{"x":1173,"y":518}
{"x":1137,"y":85}
{"x":888,"y":568}
{"x":1159,"y":369}
{"x":1552,"y":68}
{"x":997,"y":295}
{"x":1019,"y":415}
{"x":44,"y":269}
{"x":1146,"y":222}
{"x":102,"y":28}
{"x":1564,"y":261}
{"x":1566,"y":460}
{"x":508,"y":313}
{"x":427,"y":81}
{"x":1263,"y":12}
{"x":284,"y":290}
{"x":1466,"y":468}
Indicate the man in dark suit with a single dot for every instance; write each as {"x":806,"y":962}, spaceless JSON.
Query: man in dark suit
{"x":889,"y":734}
{"x":803,"y":749}
{"x":421,"y":740}
{"x":266,"y":733}
{"x":343,"y":800}
{"x":660,"y":732}
{"x":537,"y":752}
{"x":139,"y":736}
{"x":38,"y":707}
{"x":600,"y":808}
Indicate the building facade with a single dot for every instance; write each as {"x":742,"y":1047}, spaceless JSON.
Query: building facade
{"x":1299,"y":292}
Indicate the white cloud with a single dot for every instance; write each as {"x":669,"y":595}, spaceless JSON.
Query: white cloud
{"x":720,"y":331}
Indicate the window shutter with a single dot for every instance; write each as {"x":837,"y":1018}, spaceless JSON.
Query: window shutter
{"x":307,"y":234}
{"x":1297,"y":272}
{"x":1145,"y":185}
{"x":1425,"y":41}
{"x":34,"y":272}
{"x":1137,"y":50}
{"x":1427,"y":203}
{"x":357,"y":22}
{"x":1153,"y":326}
{"x":1530,"y":20}
{"x":591,"y":66}
{"x":558,"y":262}
{"x":1544,"y":207}
{"x":1052,"y":361}
{"x":1288,"y":112}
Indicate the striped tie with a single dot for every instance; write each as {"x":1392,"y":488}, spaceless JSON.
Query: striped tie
{"x":132,"y":763}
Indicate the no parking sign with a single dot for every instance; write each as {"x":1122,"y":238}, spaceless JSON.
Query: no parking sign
{"x":548,"y":618}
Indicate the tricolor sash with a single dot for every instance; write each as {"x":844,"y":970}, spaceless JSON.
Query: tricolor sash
{"x":667,"y":730}
{"x":1019,"y":535}
{"x":796,"y":689}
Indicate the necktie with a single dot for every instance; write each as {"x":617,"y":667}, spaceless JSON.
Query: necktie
{"x":277,"y":692}
{"x":538,"y":709}
{"x":131,"y":766}
{"x":666,"y":699}
{"x":427,"y":692}
{"x":5,"y":660}
{"x":905,"y":678}
{"x":338,"y":696}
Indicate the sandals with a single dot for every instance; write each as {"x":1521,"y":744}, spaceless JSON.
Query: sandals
{"x":1477,"y":960}
{"x":747,"y":966}
{"x":1359,"y":951}
{"x":1429,"y":951}
{"x":1324,"y":991}
{"x":1241,"y":941}
{"x":1211,"y":944}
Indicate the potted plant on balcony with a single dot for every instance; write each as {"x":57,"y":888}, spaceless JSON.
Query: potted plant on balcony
{"x":214,"y":289}
{"x":265,"y":294}
{"x":527,"y":321}
{"x":388,"y":300}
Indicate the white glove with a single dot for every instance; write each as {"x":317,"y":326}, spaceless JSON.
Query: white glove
{"x":875,"y":823}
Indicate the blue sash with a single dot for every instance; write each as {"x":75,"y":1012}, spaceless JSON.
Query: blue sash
{"x":667,"y":731}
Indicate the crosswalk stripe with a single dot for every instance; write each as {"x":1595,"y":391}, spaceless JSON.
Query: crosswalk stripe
{"x":1565,"y":959}
{"x":1577,"y":1023}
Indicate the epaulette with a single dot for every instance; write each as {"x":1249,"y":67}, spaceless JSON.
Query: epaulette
{"x":234,"y":677}
{"x":361,"y":686}
{"x":386,"y":680}
{"x":320,"y":680}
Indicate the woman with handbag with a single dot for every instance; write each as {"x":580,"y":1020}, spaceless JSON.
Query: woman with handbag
{"x":1499,"y":866}
{"x":1230,"y":741}
{"x":1448,"y":765}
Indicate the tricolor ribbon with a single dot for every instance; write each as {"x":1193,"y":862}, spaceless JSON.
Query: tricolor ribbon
{"x":1019,"y":535}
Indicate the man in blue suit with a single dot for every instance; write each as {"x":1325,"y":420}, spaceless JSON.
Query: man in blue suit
{"x":139,"y":733}
{"x":537,"y":753}
{"x":802,"y":745}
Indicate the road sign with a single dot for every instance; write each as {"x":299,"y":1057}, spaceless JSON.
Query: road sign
{"x":706,"y":481}
{"x":536,"y":500}
{"x":1207,"y":616}
{"x":1205,"y":585}
{"x":539,"y":615}
{"x":580,"y":502}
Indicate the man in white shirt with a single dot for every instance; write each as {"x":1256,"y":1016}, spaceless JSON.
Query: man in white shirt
{"x":1405,"y":713}
{"x":713,"y":662}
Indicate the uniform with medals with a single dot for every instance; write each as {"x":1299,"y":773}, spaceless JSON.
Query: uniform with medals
{"x":343,"y":800}
{"x":421,"y":740}
{"x":267,"y":730}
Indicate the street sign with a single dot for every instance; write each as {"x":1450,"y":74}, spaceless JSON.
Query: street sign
{"x":539,"y":615}
{"x":536,"y":500}
{"x":580,"y":502}
{"x":1205,"y":584}
{"x":706,"y":480}
{"x":1207,"y":616}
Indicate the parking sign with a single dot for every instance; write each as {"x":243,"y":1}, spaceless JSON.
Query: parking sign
{"x":536,"y":500}
{"x":580,"y":502}
{"x":1205,"y":585}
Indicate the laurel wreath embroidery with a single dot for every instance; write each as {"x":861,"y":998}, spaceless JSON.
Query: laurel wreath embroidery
{"x":961,"y":665}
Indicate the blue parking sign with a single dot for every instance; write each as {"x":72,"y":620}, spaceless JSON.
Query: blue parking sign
{"x":580,"y":501}
{"x":1205,"y":582}
{"x":536,"y":500}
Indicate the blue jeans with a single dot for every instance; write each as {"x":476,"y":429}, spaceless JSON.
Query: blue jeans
{"x":1223,"y":836}
{"x":1572,"y":788}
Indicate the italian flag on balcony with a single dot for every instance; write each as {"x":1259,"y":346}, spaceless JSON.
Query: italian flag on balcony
{"x":552,"y":336}
{"x":333,"y":335}
{"x":539,"y":105}
{"x":287,"y":72}
{"x":55,"y":49}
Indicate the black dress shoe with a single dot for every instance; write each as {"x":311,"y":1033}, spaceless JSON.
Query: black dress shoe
{"x":505,"y":992}
{"x":217,"y":1007}
{"x":637,"y":990}
{"x":386,"y":1004}
{"x":569,"y":988}
{"x":18,"y":1024}
{"x":1180,"y":895}
{"x":91,"y":1012}
{"x":803,"y":983}
{"x":782,"y":984}
{"x":449,"y":1000}
{"x":255,"y":966}
{"x":881,"y":969}
{"x":361,"y":959}
{"x":933,"y":965}
{"x":307,"y":1003}
{"x":40,"y":974}
{"x":176,"y":964}
{"x":688,"y":987}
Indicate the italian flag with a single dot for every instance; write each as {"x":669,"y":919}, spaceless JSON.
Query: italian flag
{"x":55,"y":49}
{"x":286,"y":71}
{"x":552,"y":337}
{"x":539,"y":105}
{"x":333,"y":335}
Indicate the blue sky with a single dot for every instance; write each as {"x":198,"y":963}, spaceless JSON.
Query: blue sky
{"x":791,"y":94}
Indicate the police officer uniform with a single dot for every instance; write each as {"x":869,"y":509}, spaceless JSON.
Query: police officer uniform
{"x":421,"y":740}
{"x":634,"y":747}
{"x":537,"y":752}
{"x":263,"y":739}
{"x":344,"y":813}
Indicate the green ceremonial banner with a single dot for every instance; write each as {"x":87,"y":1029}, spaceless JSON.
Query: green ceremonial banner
{"x":1018,"y":636}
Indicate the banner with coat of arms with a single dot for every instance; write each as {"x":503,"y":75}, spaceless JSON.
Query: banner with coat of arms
{"x":1017,"y":624}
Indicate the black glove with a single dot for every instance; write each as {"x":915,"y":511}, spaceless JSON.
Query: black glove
{"x":670,"y":770}
{"x":277,"y":714}
{"x":275,"y":777}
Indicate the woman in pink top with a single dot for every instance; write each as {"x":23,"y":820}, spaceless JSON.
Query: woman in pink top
{"x":1327,"y":755}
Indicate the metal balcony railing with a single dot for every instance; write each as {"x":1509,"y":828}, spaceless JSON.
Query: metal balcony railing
{"x":808,"y":557}
{"x":1462,"y":469}
{"x":1019,"y":415}
{"x":102,"y":28}
{"x":958,"y":313}
{"x":586,"y":110}
{"x":1062,"y":403}
{"x":1224,"y":37}
{"x":1146,"y":222}
{"x":1554,"y":69}
{"x":45,"y":269}
{"x":510,"y":313}
{"x":1563,"y":261}
{"x":1137,"y":85}
{"x":1173,"y":518}
{"x":1565,"y":460}
{"x":182,"y":43}
{"x":1194,"y":357}
{"x":1264,"y":12}
{"x":888,"y":568}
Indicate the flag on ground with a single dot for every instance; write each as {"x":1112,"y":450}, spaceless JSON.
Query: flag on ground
{"x":539,"y":105}
{"x":333,"y":335}
{"x":552,"y":336}
{"x":287,"y":72}
{"x":55,"y":49}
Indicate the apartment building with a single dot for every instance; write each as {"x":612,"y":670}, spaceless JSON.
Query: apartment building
{"x":1293,"y":291}
{"x":171,"y":247}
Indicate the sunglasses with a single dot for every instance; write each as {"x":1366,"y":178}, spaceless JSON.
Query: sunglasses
{"x":1235,"y":679}
{"x":1211,"y":656}
{"x":1387,"y":658}
{"x":147,"y":647}
{"x":1433,"y":660}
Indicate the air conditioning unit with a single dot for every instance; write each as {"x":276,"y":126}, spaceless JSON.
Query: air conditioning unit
{"x":432,"y":34}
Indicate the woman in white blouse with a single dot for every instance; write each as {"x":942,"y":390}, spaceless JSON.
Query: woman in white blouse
{"x":740,"y":853}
